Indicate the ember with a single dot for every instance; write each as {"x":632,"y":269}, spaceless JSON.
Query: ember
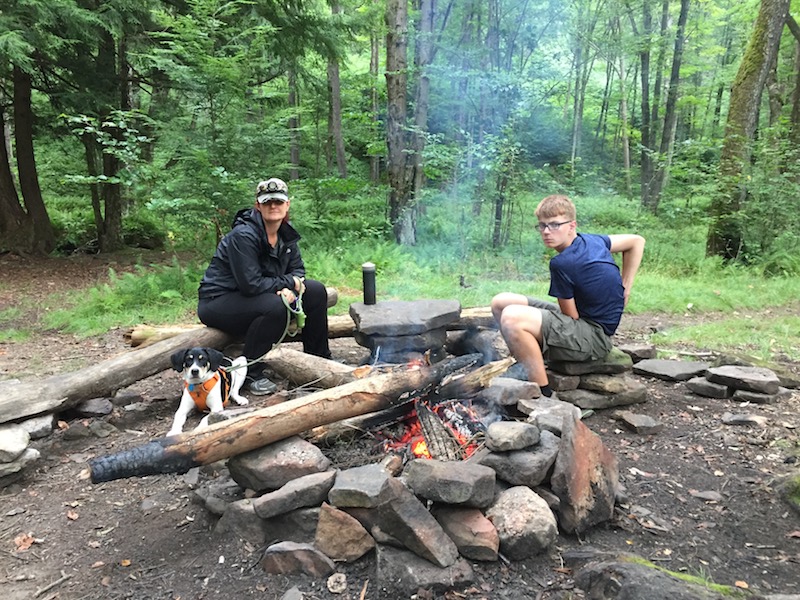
{"x":448,"y":431}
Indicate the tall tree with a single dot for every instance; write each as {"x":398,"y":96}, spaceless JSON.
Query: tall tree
{"x":399,"y":160}
{"x":725,"y":233}
{"x":670,"y":115}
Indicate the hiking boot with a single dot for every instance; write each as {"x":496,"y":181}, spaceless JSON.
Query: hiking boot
{"x":262,"y":387}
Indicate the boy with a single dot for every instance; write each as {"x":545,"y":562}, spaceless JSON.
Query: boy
{"x":590,"y":289}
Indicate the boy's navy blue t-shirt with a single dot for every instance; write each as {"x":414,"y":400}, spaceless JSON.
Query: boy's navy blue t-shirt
{"x":586,"y":271}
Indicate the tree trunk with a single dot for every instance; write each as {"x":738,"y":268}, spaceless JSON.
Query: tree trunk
{"x":335,"y":124}
{"x":646,"y":160}
{"x":16,"y":228}
{"x":423,"y":57}
{"x":670,"y":114}
{"x":62,"y":391}
{"x":294,"y":127}
{"x":374,"y":59}
{"x":725,"y":234}
{"x":44,"y":240}
{"x":109,"y":235}
{"x":179,"y":453}
{"x":401,"y":208}
{"x":335,"y":95}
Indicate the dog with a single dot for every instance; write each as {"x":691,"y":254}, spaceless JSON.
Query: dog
{"x":208,"y":385}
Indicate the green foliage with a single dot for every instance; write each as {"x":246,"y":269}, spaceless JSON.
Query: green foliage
{"x":762,"y":338}
{"x":162,"y":294}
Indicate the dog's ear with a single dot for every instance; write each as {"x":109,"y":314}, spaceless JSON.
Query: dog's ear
{"x":215,"y":358}
{"x":177,"y":359}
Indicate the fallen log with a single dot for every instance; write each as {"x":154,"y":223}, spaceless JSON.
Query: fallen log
{"x":339,"y":326}
{"x":64,"y":390}
{"x":179,"y":453}
{"x":305,"y":369}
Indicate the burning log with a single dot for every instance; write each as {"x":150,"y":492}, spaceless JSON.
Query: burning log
{"x":179,"y":453}
{"x":463,"y":382}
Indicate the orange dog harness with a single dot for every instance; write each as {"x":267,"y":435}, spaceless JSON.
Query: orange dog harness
{"x":199,"y":391}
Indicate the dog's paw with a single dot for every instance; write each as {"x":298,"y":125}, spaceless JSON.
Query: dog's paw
{"x":174,"y":432}
{"x":240,"y":400}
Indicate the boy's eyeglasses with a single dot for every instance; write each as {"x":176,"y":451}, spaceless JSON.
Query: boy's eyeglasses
{"x":551,"y":226}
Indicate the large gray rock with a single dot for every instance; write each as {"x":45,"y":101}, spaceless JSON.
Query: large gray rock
{"x":524,"y":467}
{"x":308,"y":490}
{"x":753,"y":379}
{"x":361,"y":487}
{"x":403,"y":520}
{"x":524,"y":522}
{"x":397,"y":317}
{"x":13,"y":441}
{"x":273,"y":466}
{"x":585,"y":478}
{"x":670,"y":370}
{"x":401,"y":573}
{"x":451,"y":482}
{"x":504,"y":436}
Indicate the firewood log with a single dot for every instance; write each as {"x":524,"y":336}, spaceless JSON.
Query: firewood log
{"x":179,"y":453}
{"x":305,"y":369}
{"x":339,"y":326}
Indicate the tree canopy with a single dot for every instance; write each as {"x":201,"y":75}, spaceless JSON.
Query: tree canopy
{"x":139,"y":109}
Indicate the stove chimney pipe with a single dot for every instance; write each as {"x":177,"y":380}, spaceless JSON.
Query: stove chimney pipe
{"x":368,"y":274}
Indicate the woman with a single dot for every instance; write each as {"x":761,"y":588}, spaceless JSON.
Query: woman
{"x":256,"y":270}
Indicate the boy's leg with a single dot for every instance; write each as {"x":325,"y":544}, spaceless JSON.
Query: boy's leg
{"x":521,"y":326}
{"x":504,"y":299}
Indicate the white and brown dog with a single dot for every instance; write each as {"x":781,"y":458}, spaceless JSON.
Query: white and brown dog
{"x":208,"y":384}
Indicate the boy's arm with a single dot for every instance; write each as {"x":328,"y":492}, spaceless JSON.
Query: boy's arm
{"x":568,"y":307}
{"x":632,"y":248}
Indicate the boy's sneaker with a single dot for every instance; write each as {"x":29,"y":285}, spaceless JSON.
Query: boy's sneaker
{"x":262,"y":387}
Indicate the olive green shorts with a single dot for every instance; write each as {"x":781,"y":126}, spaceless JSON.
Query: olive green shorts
{"x":566,"y":339}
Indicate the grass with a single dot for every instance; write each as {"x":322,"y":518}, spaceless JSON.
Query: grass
{"x":454,"y":259}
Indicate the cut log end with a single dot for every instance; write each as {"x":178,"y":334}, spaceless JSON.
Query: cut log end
{"x":152,"y":458}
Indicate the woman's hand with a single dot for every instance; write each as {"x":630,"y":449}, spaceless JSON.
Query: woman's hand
{"x":299,"y":286}
{"x":287,"y":295}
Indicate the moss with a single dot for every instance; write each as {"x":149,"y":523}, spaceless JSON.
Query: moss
{"x":723,"y":590}
{"x":792,"y":491}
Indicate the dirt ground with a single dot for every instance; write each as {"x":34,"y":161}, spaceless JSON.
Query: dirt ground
{"x":63,"y":537}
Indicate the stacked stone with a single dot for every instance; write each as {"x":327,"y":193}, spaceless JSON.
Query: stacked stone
{"x":16,"y":454}
{"x":745,"y":384}
{"x":597,"y":384}
{"x":397,"y":332}
{"x":425,"y":521}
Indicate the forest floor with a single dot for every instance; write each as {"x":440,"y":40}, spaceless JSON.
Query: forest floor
{"x":145,"y":538}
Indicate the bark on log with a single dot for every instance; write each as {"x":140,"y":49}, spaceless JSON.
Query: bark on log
{"x":339,"y":326}
{"x":61,"y":391}
{"x":179,"y":453}
{"x":305,"y":369}
{"x":454,"y":385}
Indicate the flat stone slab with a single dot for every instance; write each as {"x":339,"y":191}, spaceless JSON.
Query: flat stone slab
{"x":671,"y":370}
{"x":398,"y":317}
{"x":752,"y":379}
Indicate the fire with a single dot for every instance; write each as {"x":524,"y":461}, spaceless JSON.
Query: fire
{"x":461,"y":420}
